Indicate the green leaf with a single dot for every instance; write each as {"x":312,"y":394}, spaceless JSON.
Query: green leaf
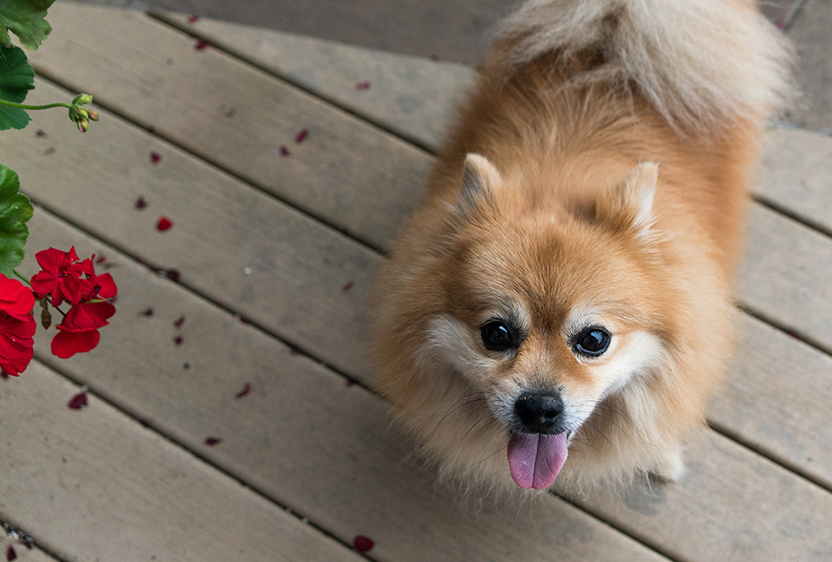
{"x":15,"y":212}
{"x":16,"y":79}
{"x":24,"y":18}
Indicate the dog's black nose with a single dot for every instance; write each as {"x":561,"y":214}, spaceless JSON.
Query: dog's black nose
{"x":539,"y":413}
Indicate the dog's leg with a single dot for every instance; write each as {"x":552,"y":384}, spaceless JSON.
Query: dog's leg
{"x":669,"y":467}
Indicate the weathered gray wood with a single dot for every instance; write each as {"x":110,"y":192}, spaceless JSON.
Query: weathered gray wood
{"x":410,"y":96}
{"x":796,"y":174}
{"x":236,"y":116}
{"x":731,"y":505}
{"x":776,"y":398}
{"x":94,"y":485}
{"x":301,"y":435}
{"x":785,"y":275}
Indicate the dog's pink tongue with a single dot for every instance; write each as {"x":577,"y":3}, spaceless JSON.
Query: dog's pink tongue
{"x":535,"y":459}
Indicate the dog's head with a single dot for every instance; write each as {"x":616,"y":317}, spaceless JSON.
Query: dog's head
{"x":548,"y":310}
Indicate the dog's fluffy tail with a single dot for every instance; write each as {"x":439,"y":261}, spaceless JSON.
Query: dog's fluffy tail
{"x":701,"y":63}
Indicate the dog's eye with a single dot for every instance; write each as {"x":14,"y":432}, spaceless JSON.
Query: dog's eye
{"x":499,"y":336}
{"x":592,"y":341}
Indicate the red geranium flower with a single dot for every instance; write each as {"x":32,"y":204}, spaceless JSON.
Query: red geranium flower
{"x":61,"y":276}
{"x":17,"y":326}
{"x":78,"y":333}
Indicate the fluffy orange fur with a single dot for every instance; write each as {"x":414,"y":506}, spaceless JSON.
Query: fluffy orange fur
{"x":583,"y":199}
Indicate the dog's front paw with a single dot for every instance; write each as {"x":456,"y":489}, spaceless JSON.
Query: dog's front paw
{"x":670,"y":467}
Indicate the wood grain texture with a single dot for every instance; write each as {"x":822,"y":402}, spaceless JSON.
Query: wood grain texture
{"x":796,"y":175}
{"x":237,"y":117}
{"x":301,"y":435}
{"x":409,"y":96}
{"x":731,"y":505}
{"x":92,"y":484}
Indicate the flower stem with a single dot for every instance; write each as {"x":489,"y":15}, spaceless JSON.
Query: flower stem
{"x":21,"y":277}
{"x":22,"y":106}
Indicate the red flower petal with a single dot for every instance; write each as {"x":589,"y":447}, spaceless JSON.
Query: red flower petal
{"x":284,"y":151}
{"x":141,"y":203}
{"x":245,"y":391}
{"x":179,"y":322}
{"x":67,"y":344}
{"x":87,"y":316}
{"x":11,"y":554}
{"x":301,"y":136}
{"x":363,"y":544}
{"x":211,"y":441}
{"x":201,"y":45}
{"x":193,"y":19}
{"x":155,"y":157}
{"x":164,"y":224}
{"x":78,"y":401}
{"x":15,"y":298}
{"x":363,"y":85}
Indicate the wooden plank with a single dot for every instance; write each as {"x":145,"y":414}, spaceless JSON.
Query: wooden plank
{"x":776,"y":399}
{"x":301,"y":435}
{"x":221,"y":228}
{"x":92,"y":484}
{"x":731,"y":505}
{"x":796,"y":175}
{"x":237,"y":117}
{"x":784,"y":275}
{"x":410,"y":96}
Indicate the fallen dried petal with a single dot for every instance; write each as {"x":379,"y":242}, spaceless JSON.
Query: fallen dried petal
{"x":78,"y":401}
{"x":11,"y":554}
{"x":363,"y":544}
{"x":301,"y":136}
{"x":201,"y":45}
{"x":147,"y":313}
{"x":246,"y":390}
{"x":349,"y":383}
{"x":284,"y":151}
{"x":155,"y":157}
{"x":177,"y":340}
{"x":164,"y":224}
{"x":347,"y":287}
{"x":100,"y":259}
{"x":211,"y":441}
{"x":193,"y":19}
{"x":173,"y":274}
{"x":141,"y":203}
{"x":179,"y":321}
{"x":40,"y":133}
{"x":363,"y":85}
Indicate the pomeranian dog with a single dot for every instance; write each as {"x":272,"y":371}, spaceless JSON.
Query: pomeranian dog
{"x":561,"y":301}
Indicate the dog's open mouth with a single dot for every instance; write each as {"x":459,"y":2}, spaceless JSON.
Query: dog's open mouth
{"x":535,"y":459}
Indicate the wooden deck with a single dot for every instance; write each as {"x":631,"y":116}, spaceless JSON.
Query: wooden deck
{"x":275,"y":256}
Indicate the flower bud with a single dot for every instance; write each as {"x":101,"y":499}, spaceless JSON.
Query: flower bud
{"x":82,"y":99}
{"x":93,"y":115}
{"x":83,"y":125}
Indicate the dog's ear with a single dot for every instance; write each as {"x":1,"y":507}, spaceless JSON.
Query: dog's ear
{"x":629,"y":204}
{"x":479,"y":180}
